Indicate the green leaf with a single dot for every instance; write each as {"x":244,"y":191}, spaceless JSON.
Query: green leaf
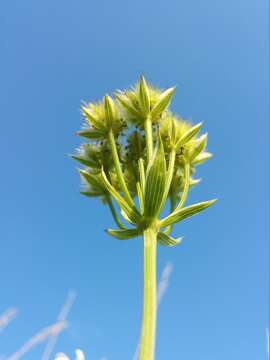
{"x":127,"y":105}
{"x":186,"y":212}
{"x":162,"y":102}
{"x":200,"y":146}
{"x":144,"y":97}
{"x":131,"y":212}
{"x":188,"y":135}
{"x":166,"y":240}
{"x":91,"y":134}
{"x":155,"y":181}
{"x":202,"y":157}
{"x":123,"y":234}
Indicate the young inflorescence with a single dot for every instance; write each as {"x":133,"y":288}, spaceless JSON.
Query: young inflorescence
{"x":138,"y":149}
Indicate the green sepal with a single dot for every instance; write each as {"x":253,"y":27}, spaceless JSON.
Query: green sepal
{"x":155,"y":181}
{"x":144,"y":96}
{"x":131,"y":212}
{"x":162,"y":102}
{"x":181,"y":214}
{"x":166,"y":240}
{"x":199,"y":147}
{"x":124,"y":234}
{"x":91,"y":134}
{"x":188,"y":135}
{"x":201,"y":158}
{"x":92,"y":181}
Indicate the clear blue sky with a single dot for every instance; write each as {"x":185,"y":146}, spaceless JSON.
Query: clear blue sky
{"x":55,"y":53}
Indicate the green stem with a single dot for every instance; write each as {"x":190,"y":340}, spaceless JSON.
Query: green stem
{"x":114,"y":214}
{"x":147,"y":345}
{"x":148,"y":137}
{"x":118,"y":169}
{"x":186,"y":185}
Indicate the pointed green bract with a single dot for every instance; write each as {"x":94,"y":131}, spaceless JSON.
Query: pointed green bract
{"x":202,"y":157}
{"x":166,"y":240}
{"x":127,"y":105}
{"x":179,"y":215}
{"x":200,"y":146}
{"x":92,"y":119}
{"x":162,"y":102}
{"x":124,"y":234}
{"x":144,"y":96}
{"x":110,"y":110}
{"x":188,"y":135}
{"x":91,"y":134}
{"x":155,"y":182}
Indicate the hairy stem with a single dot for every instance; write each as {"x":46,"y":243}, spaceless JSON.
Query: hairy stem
{"x":118,"y":169}
{"x":148,"y":137}
{"x":147,"y":346}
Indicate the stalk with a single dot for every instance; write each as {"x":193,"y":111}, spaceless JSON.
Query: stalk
{"x":147,"y":346}
{"x":148,"y":137}
{"x":118,"y":169}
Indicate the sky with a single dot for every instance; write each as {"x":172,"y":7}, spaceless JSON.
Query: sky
{"x":54,"y":54}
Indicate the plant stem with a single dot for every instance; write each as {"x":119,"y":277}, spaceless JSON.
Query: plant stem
{"x":119,"y":170}
{"x":148,"y":137}
{"x":147,"y":346}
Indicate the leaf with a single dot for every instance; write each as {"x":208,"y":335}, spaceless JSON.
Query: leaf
{"x":155,"y":182}
{"x":144,"y":97}
{"x":167,"y":240}
{"x":91,"y":134}
{"x":202,"y":157}
{"x":188,"y":135}
{"x":162,"y":102}
{"x":131,"y":212}
{"x":186,"y":212}
{"x":123,"y":234}
{"x":200,"y":146}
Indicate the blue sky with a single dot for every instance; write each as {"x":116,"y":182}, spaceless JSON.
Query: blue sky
{"x":53,"y":55}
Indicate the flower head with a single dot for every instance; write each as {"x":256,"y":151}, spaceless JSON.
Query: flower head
{"x":120,"y":163}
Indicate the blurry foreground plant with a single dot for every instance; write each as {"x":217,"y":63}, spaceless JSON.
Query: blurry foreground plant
{"x":140,"y":156}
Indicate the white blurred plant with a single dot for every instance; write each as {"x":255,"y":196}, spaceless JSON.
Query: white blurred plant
{"x":79,"y":355}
